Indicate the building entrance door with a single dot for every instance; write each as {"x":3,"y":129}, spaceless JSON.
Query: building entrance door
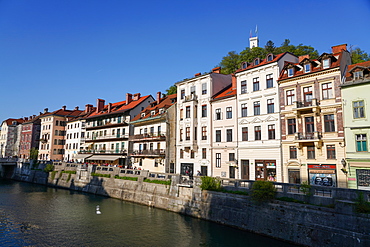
{"x":245,"y":169}
{"x":232,"y":171}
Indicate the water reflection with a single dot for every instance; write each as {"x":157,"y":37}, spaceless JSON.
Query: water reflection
{"x":33,"y":215}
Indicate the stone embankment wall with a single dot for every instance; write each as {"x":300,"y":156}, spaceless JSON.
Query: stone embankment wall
{"x":303,"y":224}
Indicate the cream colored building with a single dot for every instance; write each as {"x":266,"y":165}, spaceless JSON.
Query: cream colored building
{"x":154,"y":137}
{"x":312,"y":119}
{"x":194,"y":119}
{"x":259,"y":149}
{"x":356,"y":100}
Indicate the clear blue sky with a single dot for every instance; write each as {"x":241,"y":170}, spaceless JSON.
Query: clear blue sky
{"x":71,"y":52}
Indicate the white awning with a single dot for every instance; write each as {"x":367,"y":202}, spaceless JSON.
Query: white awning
{"x":105,"y":157}
{"x":81,"y":156}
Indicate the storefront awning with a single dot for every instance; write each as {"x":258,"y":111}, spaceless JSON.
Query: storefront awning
{"x":81,"y":156}
{"x":105,"y":157}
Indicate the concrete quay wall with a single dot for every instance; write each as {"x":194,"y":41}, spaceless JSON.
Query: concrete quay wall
{"x":303,"y":224}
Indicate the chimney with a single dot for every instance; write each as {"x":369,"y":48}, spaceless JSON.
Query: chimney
{"x":197,"y":74}
{"x":128,"y":98}
{"x":216,"y":70}
{"x":233,"y":81}
{"x":31,"y":117}
{"x":64,"y":107}
{"x":99,"y":105}
{"x":159,"y":97}
{"x":136,"y":96}
{"x":338,"y":48}
{"x":46,"y":110}
{"x":88,"y":108}
{"x":76,"y":108}
{"x":109,"y":107}
{"x":25,"y":118}
{"x":300,"y":58}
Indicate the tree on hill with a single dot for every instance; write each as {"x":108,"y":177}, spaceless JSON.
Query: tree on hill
{"x":171,"y":90}
{"x":359,"y":56}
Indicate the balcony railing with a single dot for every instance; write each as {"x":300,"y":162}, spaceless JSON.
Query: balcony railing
{"x":156,"y":152}
{"x":151,"y":136}
{"x":105,"y":137}
{"x":311,"y":103}
{"x":191,"y":97}
{"x":308,"y":136}
{"x":103,"y":151}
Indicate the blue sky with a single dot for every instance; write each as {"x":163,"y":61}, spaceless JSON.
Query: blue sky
{"x":71,"y":52}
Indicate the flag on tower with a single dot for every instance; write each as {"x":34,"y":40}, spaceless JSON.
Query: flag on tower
{"x":250,"y":34}
{"x":256,"y":29}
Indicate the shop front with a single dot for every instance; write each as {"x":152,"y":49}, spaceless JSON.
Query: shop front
{"x":266,"y":170}
{"x":322,"y":175}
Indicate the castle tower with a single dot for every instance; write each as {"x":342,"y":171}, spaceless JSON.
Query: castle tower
{"x":253,"y":41}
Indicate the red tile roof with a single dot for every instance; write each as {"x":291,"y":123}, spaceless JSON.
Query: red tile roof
{"x":164,"y":103}
{"x":315,"y":66}
{"x":264,"y":61}
{"x":226,"y":92}
{"x":119,"y":107}
{"x":10,"y":121}
{"x":352,"y":66}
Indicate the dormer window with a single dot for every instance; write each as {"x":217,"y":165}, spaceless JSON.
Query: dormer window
{"x":326,"y":63}
{"x":161,"y":111}
{"x":256,"y":61}
{"x":270,"y":57}
{"x":307,"y":68}
{"x":244,"y":65}
{"x":143,"y":114}
{"x":357,"y":75}
{"x":152,"y":113}
{"x":290,"y":72}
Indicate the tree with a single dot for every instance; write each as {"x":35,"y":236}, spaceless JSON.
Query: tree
{"x":270,"y":47}
{"x":359,"y":56}
{"x":171,"y":90}
{"x":230,"y":63}
{"x":34,"y":154}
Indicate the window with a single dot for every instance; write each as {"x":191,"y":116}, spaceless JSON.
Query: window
{"x":218,"y":160}
{"x":269,"y":81}
{"x":182,"y":93}
{"x":256,"y":108}
{"x":218,"y":135}
{"x":307,"y":68}
{"x":292,"y":152}
{"x":181,"y":114}
{"x":357,"y":75}
{"x":204,"y":110}
{"x":245,"y":134}
{"x":243,"y":87}
{"x":229,"y":135}
{"x":195,"y":111}
{"x":218,"y":114}
{"x":290,"y":97}
{"x":181,"y":153}
{"x":307,"y":92}
{"x":271,"y":131}
{"x":187,"y":133}
{"x":229,"y":112}
{"x":311,"y":152}
{"x":291,"y":126}
{"x":256,"y":61}
{"x":270,"y":57}
{"x":256,"y":84}
{"x":204,"y":132}
{"x":181,"y":133}
{"x":231,"y":156}
{"x":330,"y":151}
{"x":270,"y":106}
{"x":326,"y":63}
{"x":192,"y":90}
{"x":361,"y":143}
{"x":327,"y":90}
{"x":192,"y":154}
{"x":187,"y":113}
{"x":257,"y":133}
{"x":195,"y":133}
{"x":290,"y":72}
{"x":310,"y":125}
{"x":204,"y":153}
{"x":358,"y":109}
{"x":329,"y":123}
{"x":244,"y":110}
{"x":204,"y":88}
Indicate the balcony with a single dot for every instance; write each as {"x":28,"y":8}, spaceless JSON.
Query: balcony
{"x":189,"y":98}
{"x":148,"y":137}
{"x":103,"y":151}
{"x":106,"y":125}
{"x":116,"y":137}
{"x":155,"y":152}
{"x":312,"y":106}
{"x":314,"y":137}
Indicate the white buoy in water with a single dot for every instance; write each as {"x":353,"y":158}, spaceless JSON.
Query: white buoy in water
{"x":98,"y":210}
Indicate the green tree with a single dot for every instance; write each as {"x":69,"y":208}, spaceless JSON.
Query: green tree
{"x":171,"y":90}
{"x":230,"y":62}
{"x":359,"y":56}
{"x":34,"y":153}
{"x":270,"y":47}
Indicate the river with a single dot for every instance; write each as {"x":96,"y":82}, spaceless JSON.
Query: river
{"x":35,"y":215}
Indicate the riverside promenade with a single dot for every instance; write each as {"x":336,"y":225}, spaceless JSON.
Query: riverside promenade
{"x":317,"y":217}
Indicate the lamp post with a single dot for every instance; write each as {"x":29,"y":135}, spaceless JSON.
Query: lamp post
{"x":344,"y":170}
